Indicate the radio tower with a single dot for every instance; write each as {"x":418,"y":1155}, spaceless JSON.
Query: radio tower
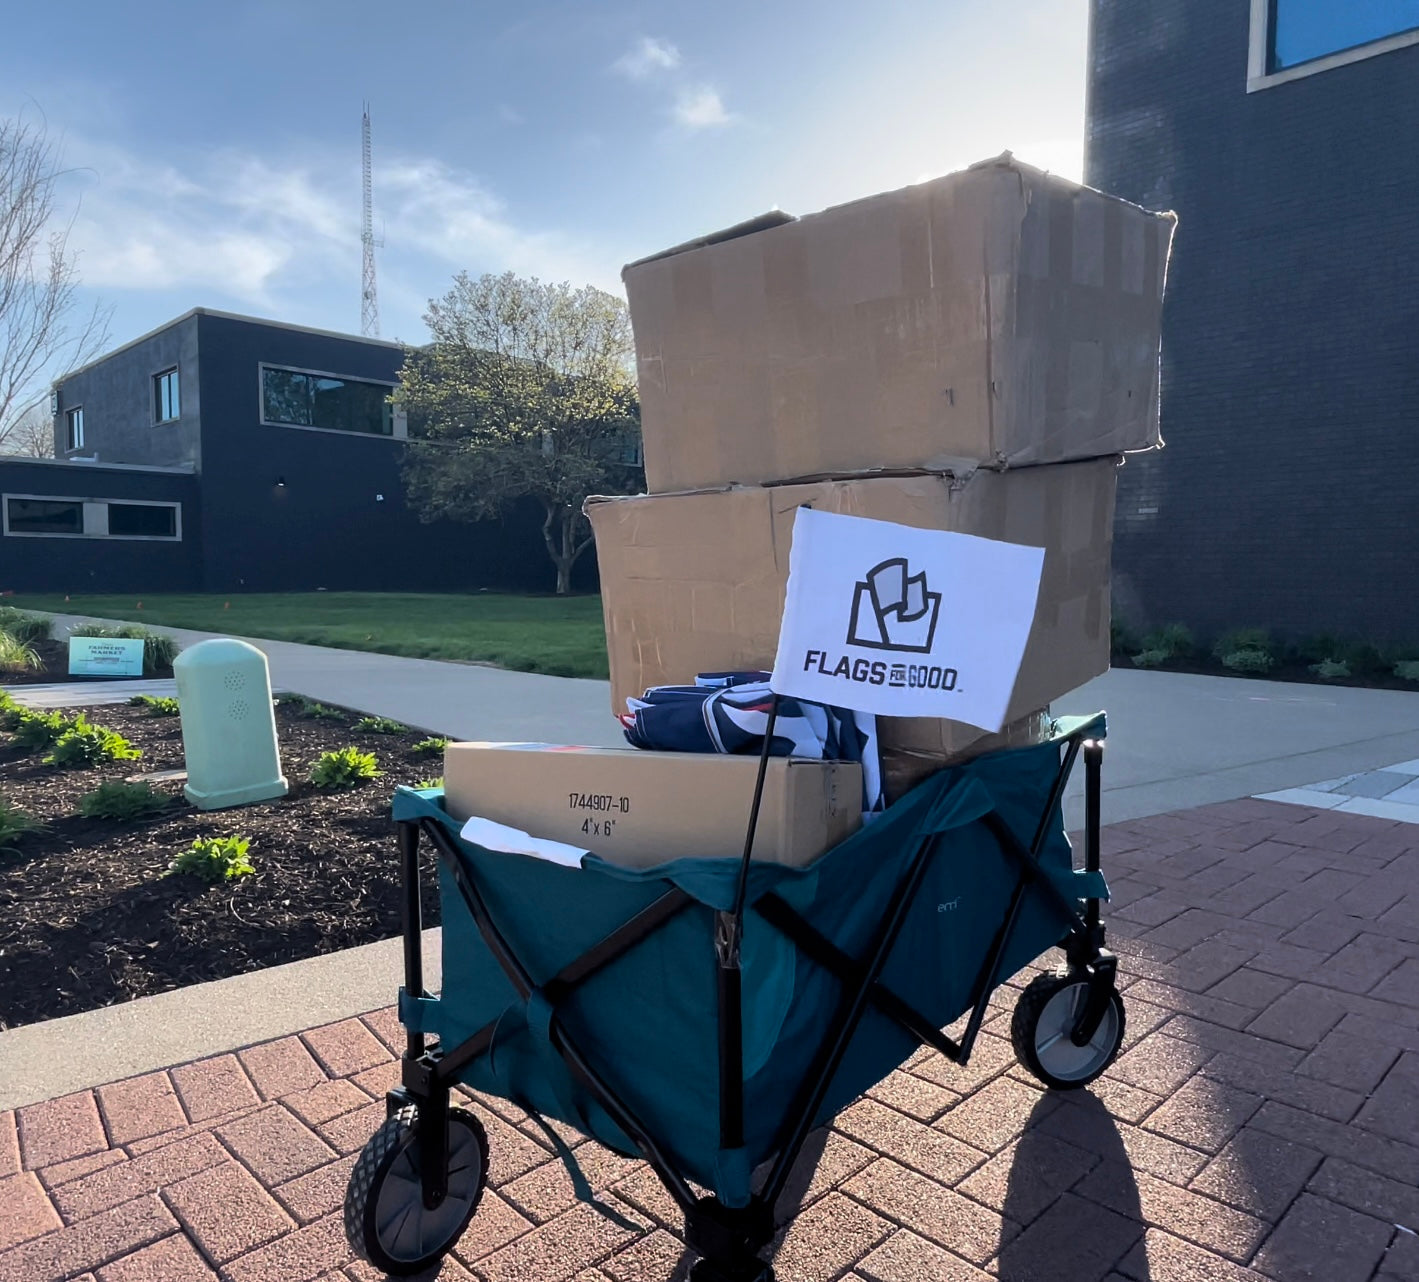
{"x":369,"y":298}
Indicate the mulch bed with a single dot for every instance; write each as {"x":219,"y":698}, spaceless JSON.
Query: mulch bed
{"x":54,"y":655}
{"x":87,"y":917}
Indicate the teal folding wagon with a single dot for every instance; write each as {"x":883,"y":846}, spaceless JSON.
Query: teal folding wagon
{"x":707,"y":1015}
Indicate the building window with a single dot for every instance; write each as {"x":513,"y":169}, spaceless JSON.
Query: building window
{"x":142,"y":521}
{"x":1304,"y":30}
{"x":43,"y":516}
{"x":74,"y":423}
{"x":302,"y":398}
{"x":166,"y":403}
{"x":1291,"y":39}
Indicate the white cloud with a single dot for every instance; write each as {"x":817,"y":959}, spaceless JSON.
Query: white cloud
{"x":700,"y":107}
{"x":282,"y":238}
{"x":647,"y":57}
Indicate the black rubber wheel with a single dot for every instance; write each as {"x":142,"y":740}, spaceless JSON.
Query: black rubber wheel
{"x":1044,"y":1017}
{"x":386,"y":1220}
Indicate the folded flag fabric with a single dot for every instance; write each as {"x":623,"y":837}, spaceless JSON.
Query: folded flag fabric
{"x":729,"y":712}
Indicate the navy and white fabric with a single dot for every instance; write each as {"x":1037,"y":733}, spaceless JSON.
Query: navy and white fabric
{"x":729,"y":712}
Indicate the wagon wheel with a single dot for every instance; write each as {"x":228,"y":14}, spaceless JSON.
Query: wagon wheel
{"x":1045,"y":1017}
{"x":386,"y":1220}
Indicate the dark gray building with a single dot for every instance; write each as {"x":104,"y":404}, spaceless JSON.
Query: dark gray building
{"x":1282,"y":132}
{"x":221,"y":453}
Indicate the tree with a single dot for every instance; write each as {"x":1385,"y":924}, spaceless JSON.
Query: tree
{"x":44,"y":330}
{"x":30,"y":435}
{"x":525,"y":391}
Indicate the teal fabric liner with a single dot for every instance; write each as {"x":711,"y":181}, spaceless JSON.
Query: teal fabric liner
{"x":648,"y":1021}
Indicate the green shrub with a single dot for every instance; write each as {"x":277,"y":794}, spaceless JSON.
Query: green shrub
{"x":1172,"y":642}
{"x":85,"y":744}
{"x":17,"y":655}
{"x":1407,"y":669}
{"x":1248,"y":660}
{"x":123,"y":802}
{"x":1243,"y":640}
{"x":1122,"y":638}
{"x":38,"y":731}
{"x":381,"y":725}
{"x":10,"y":711}
{"x":344,"y":768}
{"x":1363,"y":659}
{"x":1316,"y":649}
{"x":431,"y":746}
{"x":427,"y":783}
{"x":15,"y":825}
{"x":156,"y":704}
{"x":1178,"y":638}
{"x":215,"y":859}
{"x":28,"y":629}
{"x":1330,"y":669}
{"x":158,"y":651}
{"x":304,"y":707}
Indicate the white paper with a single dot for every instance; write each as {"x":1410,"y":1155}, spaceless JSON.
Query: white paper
{"x":513,"y":841}
{"x":902,"y":622}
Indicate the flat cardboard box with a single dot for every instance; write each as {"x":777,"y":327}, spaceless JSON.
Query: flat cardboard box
{"x":999,"y":316}
{"x":695,"y":583}
{"x":638,"y":809}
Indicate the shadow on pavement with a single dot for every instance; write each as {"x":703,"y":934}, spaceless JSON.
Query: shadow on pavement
{"x":1069,"y":1237}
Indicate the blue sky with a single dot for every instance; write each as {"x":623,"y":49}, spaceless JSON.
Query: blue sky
{"x":215,"y":147}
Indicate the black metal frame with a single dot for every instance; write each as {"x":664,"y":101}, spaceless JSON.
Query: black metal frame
{"x":730,"y":1238}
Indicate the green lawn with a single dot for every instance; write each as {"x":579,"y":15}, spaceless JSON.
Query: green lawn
{"x":561,"y":636}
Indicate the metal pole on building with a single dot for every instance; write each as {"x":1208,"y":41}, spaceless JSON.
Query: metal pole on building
{"x":369,"y":298}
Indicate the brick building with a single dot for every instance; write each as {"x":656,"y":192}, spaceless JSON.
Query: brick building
{"x":222,"y":453}
{"x":1282,"y":134}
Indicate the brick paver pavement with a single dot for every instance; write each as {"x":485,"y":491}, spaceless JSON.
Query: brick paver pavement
{"x":1262,"y":1122}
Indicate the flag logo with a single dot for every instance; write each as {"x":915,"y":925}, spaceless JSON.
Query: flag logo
{"x":893,"y":610}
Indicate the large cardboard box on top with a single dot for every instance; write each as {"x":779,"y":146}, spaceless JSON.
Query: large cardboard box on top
{"x":638,"y":809}
{"x":695,"y":583}
{"x":999,"y":315}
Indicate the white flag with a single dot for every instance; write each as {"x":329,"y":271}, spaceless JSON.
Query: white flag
{"x":903,"y":622}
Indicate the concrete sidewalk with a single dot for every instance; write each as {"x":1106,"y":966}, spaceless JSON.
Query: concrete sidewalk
{"x":462,"y":700}
{"x":1261,"y":1125}
{"x":1175,"y":740}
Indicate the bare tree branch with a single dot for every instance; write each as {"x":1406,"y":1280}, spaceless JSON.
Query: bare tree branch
{"x":44,"y":330}
{"x":31,"y":435}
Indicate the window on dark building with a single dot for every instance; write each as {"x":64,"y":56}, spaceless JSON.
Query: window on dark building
{"x":295,"y":398}
{"x":1304,"y":30}
{"x":166,"y":404}
{"x":44,"y":516}
{"x":74,"y":424}
{"x":54,"y":517}
{"x":142,"y":520}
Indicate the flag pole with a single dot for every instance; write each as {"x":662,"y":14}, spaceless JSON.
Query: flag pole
{"x":729,"y":931}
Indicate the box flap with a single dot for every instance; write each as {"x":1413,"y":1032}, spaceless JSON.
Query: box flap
{"x":760,"y":222}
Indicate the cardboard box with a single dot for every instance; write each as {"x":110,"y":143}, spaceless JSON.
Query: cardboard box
{"x":912,"y":750}
{"x":638,"y":809}
{"x":998,"y":316}
{"x":695,"y":583}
